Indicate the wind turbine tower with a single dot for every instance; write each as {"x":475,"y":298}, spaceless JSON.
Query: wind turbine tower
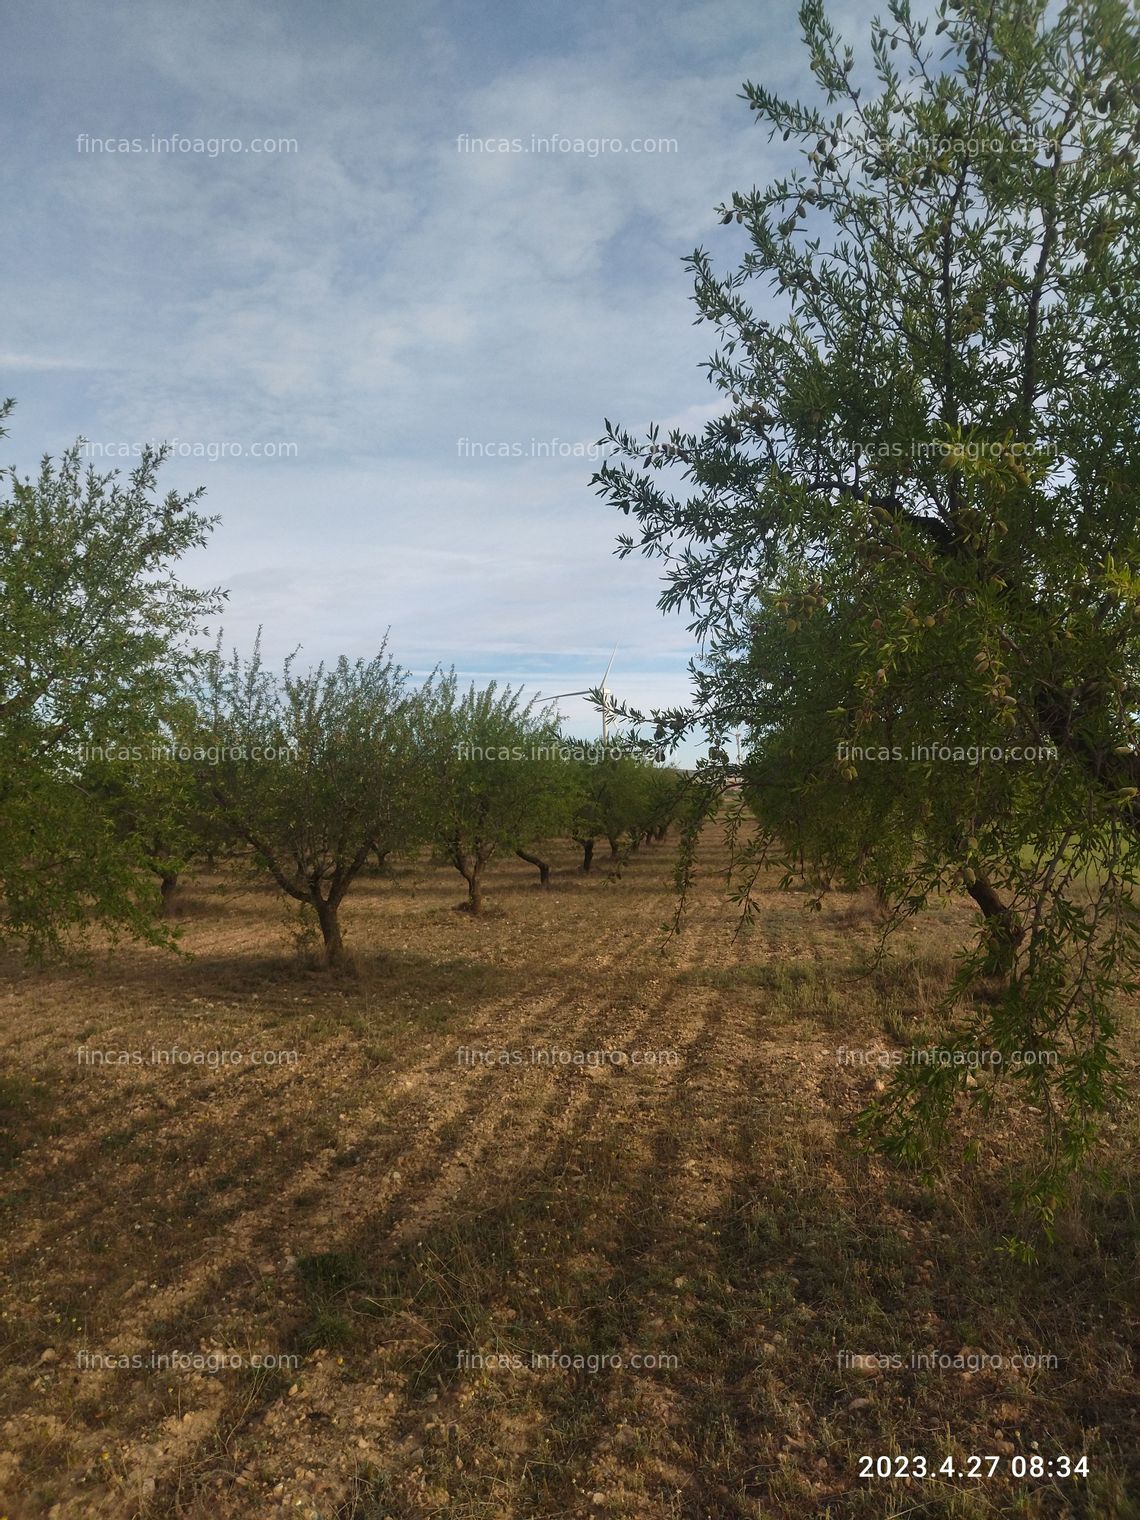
{"x":607,"y":697}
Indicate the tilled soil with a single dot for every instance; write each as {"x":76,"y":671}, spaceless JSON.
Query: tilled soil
{"x":407,"y":1209}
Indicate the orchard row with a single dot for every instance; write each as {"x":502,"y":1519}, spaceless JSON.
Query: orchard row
{"x":308,"y":776}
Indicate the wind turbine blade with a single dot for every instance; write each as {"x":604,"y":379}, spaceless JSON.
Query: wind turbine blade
{"x":558,"y":695}
{"x":608,"y":667}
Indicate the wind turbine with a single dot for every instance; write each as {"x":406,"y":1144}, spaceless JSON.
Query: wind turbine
{"x":607,"y":697}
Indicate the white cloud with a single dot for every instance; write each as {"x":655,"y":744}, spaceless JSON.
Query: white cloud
{"x":379,"y":294}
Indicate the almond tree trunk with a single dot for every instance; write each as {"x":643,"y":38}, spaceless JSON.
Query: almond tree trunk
{"x":470,"y":867}
{"x":542,"y":865}
{"x":330,"y":930}
{"x":1005,"y":929}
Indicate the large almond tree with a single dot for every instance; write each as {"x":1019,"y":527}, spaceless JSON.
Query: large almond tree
{"x":96,"y":642}
{"x":911,"y":538}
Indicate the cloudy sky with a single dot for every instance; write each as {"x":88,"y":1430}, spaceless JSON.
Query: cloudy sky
{"x":404,"y":345}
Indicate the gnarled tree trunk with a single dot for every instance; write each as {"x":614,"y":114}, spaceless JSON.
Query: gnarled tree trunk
{"x":1005,"y":929}
{"x":470,"y":867}
{"x":327,"y":912}
{"x":542,"y":865}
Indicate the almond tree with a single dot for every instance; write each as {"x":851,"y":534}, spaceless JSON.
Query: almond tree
{"x":315,"y":770}
{"x":95,"y":630}
{"x":503,"y":786}
{"x":148,"y":792}
{"x":911,"y":539}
